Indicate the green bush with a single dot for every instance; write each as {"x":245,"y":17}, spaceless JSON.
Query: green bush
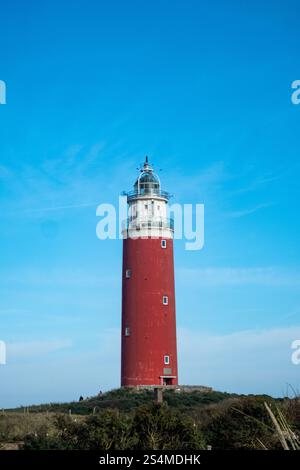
{"x":243,"y":425}
{"x":151,"y":427}
{"x":158,"y":427}
{"x":109,"y":430}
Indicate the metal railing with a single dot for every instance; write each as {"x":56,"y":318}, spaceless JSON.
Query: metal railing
{"x":135,"y":223}
{"x":146,"y":192}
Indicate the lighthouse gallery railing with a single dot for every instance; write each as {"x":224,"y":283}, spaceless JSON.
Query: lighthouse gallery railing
{"x":137,"y":223}
{"x":146,"y":192}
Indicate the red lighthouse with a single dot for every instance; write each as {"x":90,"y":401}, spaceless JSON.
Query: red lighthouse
{"x":149,"y":352}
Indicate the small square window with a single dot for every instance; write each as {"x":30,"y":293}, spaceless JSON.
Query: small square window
{"x":164,"y":243}
{"x":127,"y":331}
{"x":128,"y":273}
{"x":158,"y":208}
{"x":167,"y":360}
{"x":165,"y":300}
{"x":146,"y":206}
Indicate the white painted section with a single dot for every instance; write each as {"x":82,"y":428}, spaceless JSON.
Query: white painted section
{"x":150,"y":233}
{"x":146,"y":208}
{"x":146,"y":214}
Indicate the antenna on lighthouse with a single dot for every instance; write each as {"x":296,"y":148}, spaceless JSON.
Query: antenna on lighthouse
{"x":146,"y":166}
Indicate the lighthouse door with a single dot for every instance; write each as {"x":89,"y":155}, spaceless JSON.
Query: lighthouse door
{"x":167,"y":381}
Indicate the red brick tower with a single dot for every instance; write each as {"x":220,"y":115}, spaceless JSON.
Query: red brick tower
{"x":149,"y":352}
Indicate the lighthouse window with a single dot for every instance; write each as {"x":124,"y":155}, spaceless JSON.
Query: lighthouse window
{"x":165,"y":300}
{"x":127,"y":331}
{"x":167,"y":360}
{"x":128,"y":273}
{"x":164,"y":243}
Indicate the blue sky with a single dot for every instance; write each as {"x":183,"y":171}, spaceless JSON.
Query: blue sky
{"x":205,"y":90}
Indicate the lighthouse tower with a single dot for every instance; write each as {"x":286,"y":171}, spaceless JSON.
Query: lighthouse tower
{"x":149,"y":352}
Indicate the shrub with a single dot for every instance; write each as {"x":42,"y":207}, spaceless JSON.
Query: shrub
{"x":242,"y":426}
{"x":158,"y":427}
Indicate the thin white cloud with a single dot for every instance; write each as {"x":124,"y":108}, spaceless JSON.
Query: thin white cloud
{"x":36,"y":348}
{"x":223,"y":276}
{"x":257,"y":183}
{"x":244,"y":361}
{"x":12,"y":311}
{"x":253,"y":361}
{"x":62,"y":182}
{"x":62,"y":277}
{"x":5,"y":173}
{"x":244,"y":212}
{"x":59,"y":208}
{"x":205,"y":184}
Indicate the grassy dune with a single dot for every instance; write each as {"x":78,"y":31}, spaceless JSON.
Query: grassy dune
{"x":129,"y":419}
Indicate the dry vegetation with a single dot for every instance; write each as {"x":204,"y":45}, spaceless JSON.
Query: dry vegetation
{"x":123,"y":419}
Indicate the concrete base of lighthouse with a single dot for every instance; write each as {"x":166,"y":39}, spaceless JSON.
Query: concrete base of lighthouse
{"x":176,"y":388}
